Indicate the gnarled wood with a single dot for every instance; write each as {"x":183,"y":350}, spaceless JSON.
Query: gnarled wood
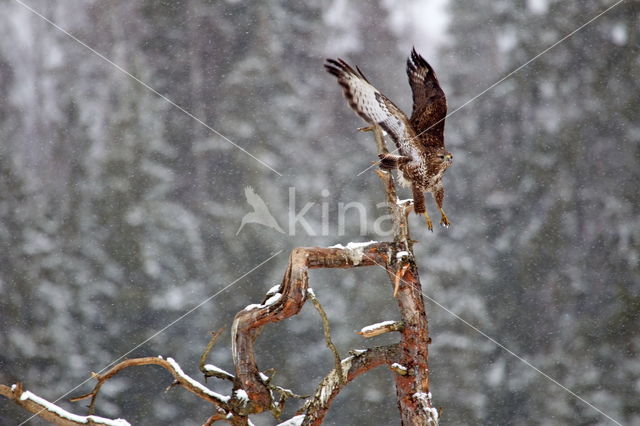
{"x":293,"y":294}
{"x":316,"y":407}
{"x":410,"y":355}
{"x":180,"y":379}
{"x":253,"y":393}
{"x":51,"y":412}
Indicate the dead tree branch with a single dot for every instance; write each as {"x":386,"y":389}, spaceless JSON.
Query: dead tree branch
{"x":288,"y":301}
{"x":211,"y":370}
{"x":327,"y":333}
{"x":316,"y":408}
{"x":381,"y":328}
{"x":411,"y":355}
{"x":252,"y":390}
{"x":180,"y":379}
{"x":51,"y":412}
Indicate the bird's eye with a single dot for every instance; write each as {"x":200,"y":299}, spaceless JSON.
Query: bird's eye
{"x":441,"y":156}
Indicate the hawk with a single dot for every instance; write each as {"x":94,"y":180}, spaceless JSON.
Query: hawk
{"x":419,"y":140}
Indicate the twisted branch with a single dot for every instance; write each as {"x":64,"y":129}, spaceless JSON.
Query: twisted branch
{"x":252,"y":392}
{"x":288,"y":301}
{"x":327,"y":333}
{"x":180,"y":379}
{"x":316,"y":408}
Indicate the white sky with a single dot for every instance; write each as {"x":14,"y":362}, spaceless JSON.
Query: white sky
{"x":424,"y":23}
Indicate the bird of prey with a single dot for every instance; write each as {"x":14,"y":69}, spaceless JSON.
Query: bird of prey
{"x":260,"y":213}
{"x":422,"y":159}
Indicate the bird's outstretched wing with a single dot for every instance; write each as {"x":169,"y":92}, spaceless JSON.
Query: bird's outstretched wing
{"x":429,"y":101}
{"x":371,"y":105}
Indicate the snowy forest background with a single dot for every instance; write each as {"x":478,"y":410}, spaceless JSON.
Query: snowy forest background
{"x":118,"y":212}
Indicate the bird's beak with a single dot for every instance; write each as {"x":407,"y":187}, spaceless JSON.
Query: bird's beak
{"x":448,"y":157}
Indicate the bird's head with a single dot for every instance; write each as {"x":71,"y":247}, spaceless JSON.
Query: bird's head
{"x":442,"y":156}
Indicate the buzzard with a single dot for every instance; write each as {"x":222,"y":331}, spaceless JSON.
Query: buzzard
{"x":419,"y":139}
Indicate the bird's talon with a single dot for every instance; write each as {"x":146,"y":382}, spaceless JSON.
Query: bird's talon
{"x":366,"y":129}
{"x":444,"y":221}
{"x":429,"y":223}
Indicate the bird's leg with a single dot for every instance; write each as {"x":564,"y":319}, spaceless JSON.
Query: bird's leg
{"x":366,"y":129}
{"x":390,"y":161}
{"x":439,"y":197}
{"x":444,"y":220}
{"x":419,"y":205}
{"x":428,"y":219}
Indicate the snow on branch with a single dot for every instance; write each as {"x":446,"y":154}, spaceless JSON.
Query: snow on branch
{"x":253,"y":391}
{"x":364,"y":360}
{"x":180,"y":379}
{"x":294,"y":292}
{"x":355,"y":250}
{"x":381,"y":328}
{"x":52,"y":412}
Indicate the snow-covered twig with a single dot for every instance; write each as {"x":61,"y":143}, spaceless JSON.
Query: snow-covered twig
{"x":381,"y":328}
{"x":52,"y":412}
{"x":169,"y":364}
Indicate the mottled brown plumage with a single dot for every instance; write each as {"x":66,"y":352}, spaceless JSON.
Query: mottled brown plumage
{"x":422,"y":159}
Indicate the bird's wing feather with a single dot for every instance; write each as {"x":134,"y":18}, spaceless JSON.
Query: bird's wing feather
{"x":429,"y":101}
{"x":371,"y":105}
